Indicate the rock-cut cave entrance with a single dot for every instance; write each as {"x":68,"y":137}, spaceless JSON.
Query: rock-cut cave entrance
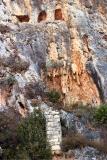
{"x":23,"y":18}
{"x":42,"y":16}
{"x":58,"y":14}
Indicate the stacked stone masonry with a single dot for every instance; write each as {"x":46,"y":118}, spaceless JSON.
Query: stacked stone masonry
{"x":53,"y":126}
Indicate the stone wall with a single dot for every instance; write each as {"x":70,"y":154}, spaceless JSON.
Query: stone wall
{"x":54,"y":133}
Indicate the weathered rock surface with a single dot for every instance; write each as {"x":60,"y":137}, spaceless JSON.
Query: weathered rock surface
{"x":52,"y":44}
{"x":72,"y":123}
{"x":64,"y":43}
{"x":86,"y":153}
{"x":89,"y":153}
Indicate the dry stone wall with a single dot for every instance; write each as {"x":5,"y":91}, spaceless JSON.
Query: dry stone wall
{"x":53,"y":125}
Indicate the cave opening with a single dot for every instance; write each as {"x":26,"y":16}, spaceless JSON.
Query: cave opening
{"x":58,"y":14}
{"x":42,"y":16}
{"x":23,"y":18}
{"x":21,"y":105}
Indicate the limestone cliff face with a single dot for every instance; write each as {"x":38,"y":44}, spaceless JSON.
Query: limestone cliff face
{"x":53,"y":44}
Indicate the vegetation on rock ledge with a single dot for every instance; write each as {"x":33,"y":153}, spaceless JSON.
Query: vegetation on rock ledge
{"x":53,"y":96}
{"x":101,"y":115}
{"x":27,"y":140}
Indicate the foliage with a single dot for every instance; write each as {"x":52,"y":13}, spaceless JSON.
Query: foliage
{"x":32,"y":135}
{"x":28,"y":141}
{"x":8,"y":134}
{"x":11,"y":80}
{"x":91,"y":115}
{"x":53,"y":96}
{"x":101,"y":115}
{"x":73,"y":141}
{"x":8,"y":81}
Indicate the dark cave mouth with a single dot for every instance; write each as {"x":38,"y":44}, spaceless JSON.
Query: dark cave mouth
{"x":23,"y":18}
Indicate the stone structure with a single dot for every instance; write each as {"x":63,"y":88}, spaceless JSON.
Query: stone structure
{"x":53,"y":125}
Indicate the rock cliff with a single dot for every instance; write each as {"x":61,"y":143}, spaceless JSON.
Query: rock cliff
{"x":62,"y":44}
{"x":52,"y":44}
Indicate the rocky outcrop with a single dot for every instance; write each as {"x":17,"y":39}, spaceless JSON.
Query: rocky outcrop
{"x":72,"y":122}
{"x":89,"y":153}
{"x":64,"y":43}
{"x":46,"y":45}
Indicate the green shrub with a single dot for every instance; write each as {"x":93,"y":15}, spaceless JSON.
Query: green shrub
{"x":30,"y":140}
{"x":32,"y":135}
{"x":101,"y":115}
{"x":11,"y":80}
{"x":53,"y":96}
{"x":8,"y":81}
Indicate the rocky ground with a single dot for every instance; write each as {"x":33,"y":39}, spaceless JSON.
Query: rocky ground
{"x":86,"y":153}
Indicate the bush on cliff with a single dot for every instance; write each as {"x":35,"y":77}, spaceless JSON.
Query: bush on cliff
{"x":8,"y":133}
{"x":30,"y":140}
{"x":32,"y":136}
{"x":53,"y":96}
{"x":101,"y":115}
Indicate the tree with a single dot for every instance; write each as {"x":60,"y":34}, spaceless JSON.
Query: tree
{"x":31,"y":143}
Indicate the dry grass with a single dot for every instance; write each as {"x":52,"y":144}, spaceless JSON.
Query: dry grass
{"x":79,"y":141}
